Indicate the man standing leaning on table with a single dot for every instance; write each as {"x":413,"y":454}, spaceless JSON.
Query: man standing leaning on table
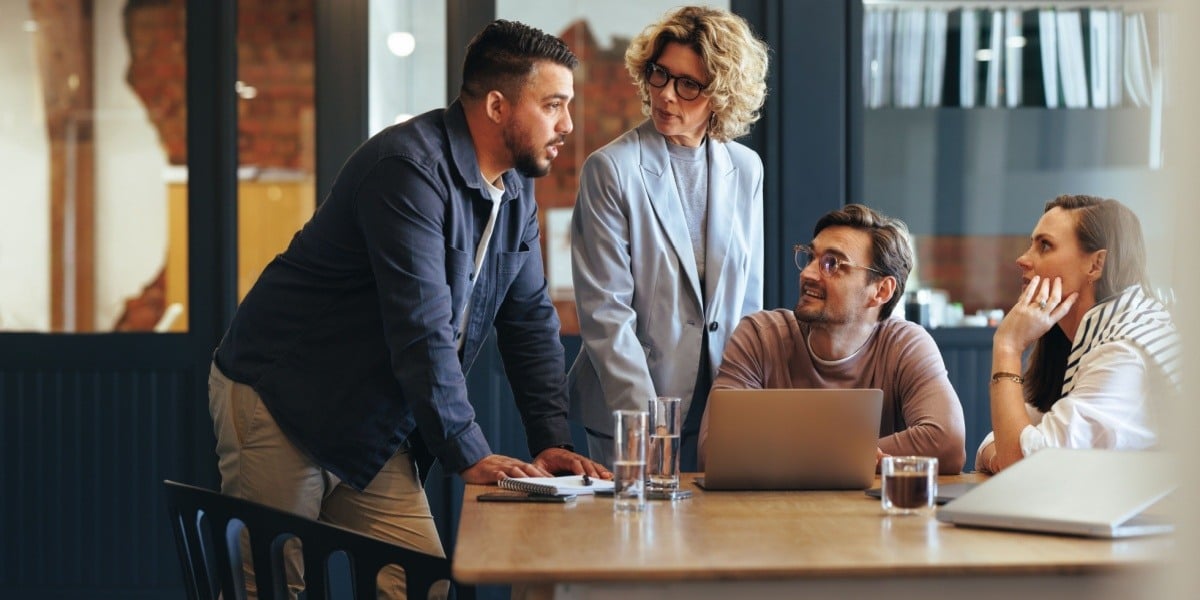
{"x":349,"y":356}
{"x":840,"y":335}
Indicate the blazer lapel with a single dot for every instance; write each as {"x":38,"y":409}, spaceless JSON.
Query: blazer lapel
{"x":724,"y":214}
{"x":664,"y":199}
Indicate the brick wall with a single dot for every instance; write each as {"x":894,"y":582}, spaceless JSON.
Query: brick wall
{"x":978,"y":270}
{"x":275,"y":57}
{"x":606,"y":105}
{"x":154,"y":31}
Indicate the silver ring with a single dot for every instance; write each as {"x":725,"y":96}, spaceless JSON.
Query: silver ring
{"x":1042,"y":305}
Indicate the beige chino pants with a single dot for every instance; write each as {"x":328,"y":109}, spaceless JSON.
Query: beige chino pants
{"x":258,"y":463}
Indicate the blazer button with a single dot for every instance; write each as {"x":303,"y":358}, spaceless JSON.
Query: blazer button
{"x":457,"y":335}
{"x":712,"y":326}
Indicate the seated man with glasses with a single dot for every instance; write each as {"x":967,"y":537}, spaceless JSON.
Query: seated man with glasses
{"x":840,"y":335}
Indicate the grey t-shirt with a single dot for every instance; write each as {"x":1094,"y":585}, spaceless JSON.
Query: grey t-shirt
{"x":690,"y":166}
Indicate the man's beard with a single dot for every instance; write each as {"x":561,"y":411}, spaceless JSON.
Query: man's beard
{"x":819,"y":316}
{"x":527,"y":165}
{"x":809,"y":316}
{"x":525,"y":159}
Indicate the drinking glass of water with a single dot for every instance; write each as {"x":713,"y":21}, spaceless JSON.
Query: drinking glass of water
{"x":662,"y":461}
{"x":629,"y":460}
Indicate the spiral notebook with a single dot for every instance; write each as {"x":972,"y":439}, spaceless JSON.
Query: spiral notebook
{"x":556,"y":486}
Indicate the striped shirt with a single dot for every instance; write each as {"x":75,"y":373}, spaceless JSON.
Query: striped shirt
{"x":1124,"y":366}
{"x":1135,"y":317}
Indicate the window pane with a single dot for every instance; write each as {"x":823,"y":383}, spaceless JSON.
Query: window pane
{"x":968,"y":146}
{"x":276,"y":145}
{"x":276,"y":139}
{"x":606,"y":105}
{"x":406,"y":60}
{"x":83,"y":248}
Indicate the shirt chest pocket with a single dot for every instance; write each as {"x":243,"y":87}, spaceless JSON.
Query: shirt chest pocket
{"x":509,"y":266}
{"x":512,"y":262}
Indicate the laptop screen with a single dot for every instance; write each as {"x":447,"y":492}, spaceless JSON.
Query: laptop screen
{"x":798,"y":439}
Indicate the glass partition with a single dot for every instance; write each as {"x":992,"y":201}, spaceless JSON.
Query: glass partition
{"x":85,"y":162}
{"x":976,"y":115}
{"x":93,"y":138}
{"x":406,"y":57}
{"x":276,"y":144}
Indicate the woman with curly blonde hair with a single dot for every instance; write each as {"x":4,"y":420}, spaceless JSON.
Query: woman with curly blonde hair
{"x":667,"y":232}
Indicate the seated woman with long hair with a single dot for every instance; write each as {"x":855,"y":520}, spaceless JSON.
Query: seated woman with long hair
{"x":1106,"y":354}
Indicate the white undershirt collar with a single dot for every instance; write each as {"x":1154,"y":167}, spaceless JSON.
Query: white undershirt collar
{"x":840,"y":361}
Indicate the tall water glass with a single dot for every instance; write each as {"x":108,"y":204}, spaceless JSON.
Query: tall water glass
{"x":662,"y":464}
{"x":629,"y":460}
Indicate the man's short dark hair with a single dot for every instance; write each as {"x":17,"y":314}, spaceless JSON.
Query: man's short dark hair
{"x":503,"y":55}
{"x":890,"y":250}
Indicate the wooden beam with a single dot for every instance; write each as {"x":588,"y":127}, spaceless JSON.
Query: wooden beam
{"x":64,"y":56}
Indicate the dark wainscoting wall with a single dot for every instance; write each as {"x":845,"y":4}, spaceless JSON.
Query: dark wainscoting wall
{"x":85,"y":451}
{"x":968,"y":355}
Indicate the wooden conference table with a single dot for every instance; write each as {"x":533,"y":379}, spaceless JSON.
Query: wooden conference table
{"x":776,"y":544}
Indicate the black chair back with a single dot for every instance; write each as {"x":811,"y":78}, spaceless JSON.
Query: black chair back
{"x":207,"y":528}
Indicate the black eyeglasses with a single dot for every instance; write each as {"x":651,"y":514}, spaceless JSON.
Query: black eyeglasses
{"x":828,"y":262}
{"x":685,"y":87}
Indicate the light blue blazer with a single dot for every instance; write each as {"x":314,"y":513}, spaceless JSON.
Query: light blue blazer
{"x":642,"y":314}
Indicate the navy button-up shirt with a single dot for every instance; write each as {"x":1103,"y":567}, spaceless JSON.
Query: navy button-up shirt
{"x":349,"y":335}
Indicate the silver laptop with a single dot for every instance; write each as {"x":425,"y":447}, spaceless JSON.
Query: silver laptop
{"x":1093,"y":493}
{"x":794,"y":439}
